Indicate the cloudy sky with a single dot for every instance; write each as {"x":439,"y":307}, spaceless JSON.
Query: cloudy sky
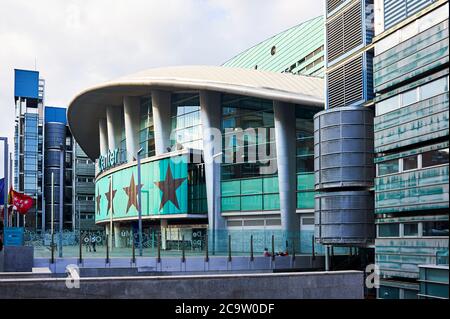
{"x":77,"y":43}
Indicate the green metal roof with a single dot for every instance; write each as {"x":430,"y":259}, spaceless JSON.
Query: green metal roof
{"x":291,"y":50}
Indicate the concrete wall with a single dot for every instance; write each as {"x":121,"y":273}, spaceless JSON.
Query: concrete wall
{"x":16,"y":258}
{"x":175,"y":264}
{"x":312,"y":285}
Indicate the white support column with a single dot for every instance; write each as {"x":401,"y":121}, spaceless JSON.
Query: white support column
{"x":114,"y":126}
{"x":103,"y":131}
{"x":131,"y":108}
{"x":117,"y":237}
{"x":163,"y":228}
{"x":211,"y":117}
{"x":161,"y":105}
{"x":285,"y":138}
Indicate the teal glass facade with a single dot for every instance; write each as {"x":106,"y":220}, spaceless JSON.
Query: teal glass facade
{"x":411,"y":144}
{"x":244,"y":188}
{"x":298,"y":50}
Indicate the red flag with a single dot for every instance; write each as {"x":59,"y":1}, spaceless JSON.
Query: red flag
{"x":21,"y":202}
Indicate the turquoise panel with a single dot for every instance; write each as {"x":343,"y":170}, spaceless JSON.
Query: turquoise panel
{"x":251,"y":203}
{"x":251,"y":186}
{"x":271,"y":202}
{"x":231,"y":204}
{"x":231,"y":188}
{"x":401,"y":257}
{"x":152,"y":172}
{"x":270,"y":185}
{"x":419,"y":122}
{"x":424,"y":52}
{"x":416,"y":190}
{"x":305,"y":181}
{"x":305,"y":200}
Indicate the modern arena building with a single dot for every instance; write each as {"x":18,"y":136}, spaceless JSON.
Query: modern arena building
{"x":191,"y":182}
{"x":237,"y":179}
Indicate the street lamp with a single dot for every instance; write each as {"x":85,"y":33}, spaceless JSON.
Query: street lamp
{"x":214,"y":203}
{"x":138,"y":156}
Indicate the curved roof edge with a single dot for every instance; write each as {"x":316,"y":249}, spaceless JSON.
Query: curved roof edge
{"x":88,"y":106}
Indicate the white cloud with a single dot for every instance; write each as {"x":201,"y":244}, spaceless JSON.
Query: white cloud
{"x":77,"y":43}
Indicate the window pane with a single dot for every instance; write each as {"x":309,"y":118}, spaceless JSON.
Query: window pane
{"x":433,"y":158}
{"x":439,"y":228}
{"x":410,"y":229}
{"x":388,"y":167}
{"x":387,"y":105}
{"x":434,"y":88}
{"x":409,"y":294}
{"x":388,"y":230}
{"x":410,"y":162}
{"x":409,"y":97}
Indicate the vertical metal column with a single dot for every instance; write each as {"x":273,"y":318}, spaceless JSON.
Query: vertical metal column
{"x":61,"y":199}
{"x":139,"y":200}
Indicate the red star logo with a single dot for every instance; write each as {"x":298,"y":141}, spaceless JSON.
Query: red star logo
{"x":169,"y":187}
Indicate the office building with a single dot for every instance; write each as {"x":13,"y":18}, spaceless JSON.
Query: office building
{"x":411,"y":83}
{"x":29,"y":91}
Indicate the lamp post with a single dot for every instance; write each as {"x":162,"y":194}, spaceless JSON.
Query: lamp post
{"x":214,"y":203}
{"x":6,"y":189}
{"x":61,"y":198}
{"x":138,"y":157}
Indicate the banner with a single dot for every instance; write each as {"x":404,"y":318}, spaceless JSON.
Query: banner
{"x":21,"y":202}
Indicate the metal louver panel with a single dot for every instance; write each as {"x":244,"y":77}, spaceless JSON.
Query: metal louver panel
{"x":396,"y":11}
{"x":345,"y":32}
{"x":345,"y":84}
{"x":333,"y":4}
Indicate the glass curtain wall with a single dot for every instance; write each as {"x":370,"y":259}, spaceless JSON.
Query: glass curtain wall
{"x":243,"y":186}
{"x":146,"y":129}
{"x":186,"y":127}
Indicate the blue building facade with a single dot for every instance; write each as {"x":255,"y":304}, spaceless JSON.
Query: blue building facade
{"x":28,"y":142}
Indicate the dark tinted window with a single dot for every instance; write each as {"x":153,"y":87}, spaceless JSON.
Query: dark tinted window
{"x":436,"y":157}
{"x":437,"y":228}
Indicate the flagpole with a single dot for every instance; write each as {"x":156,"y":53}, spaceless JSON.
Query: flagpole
{"x":52,"y":210}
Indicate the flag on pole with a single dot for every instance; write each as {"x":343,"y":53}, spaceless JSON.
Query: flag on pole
{"x":21,"y":202}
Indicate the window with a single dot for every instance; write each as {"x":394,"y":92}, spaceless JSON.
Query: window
{"x":234,"y":223}
{"x":388,"y":167}
{"x":387,"y":105}
{"x":273,"y":222}
{"x":433,"y":88}
{"x":388,"y":230}
{"x":436,"y":157}
{"x":409,"y":97}
{"x":436,"y":228}
{"x":308,"y":221}
{"x":410,"y":163}
{"x":411,"y":229}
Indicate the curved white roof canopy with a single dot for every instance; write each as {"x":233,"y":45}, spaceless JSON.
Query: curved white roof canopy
{"x":89,"y":106}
